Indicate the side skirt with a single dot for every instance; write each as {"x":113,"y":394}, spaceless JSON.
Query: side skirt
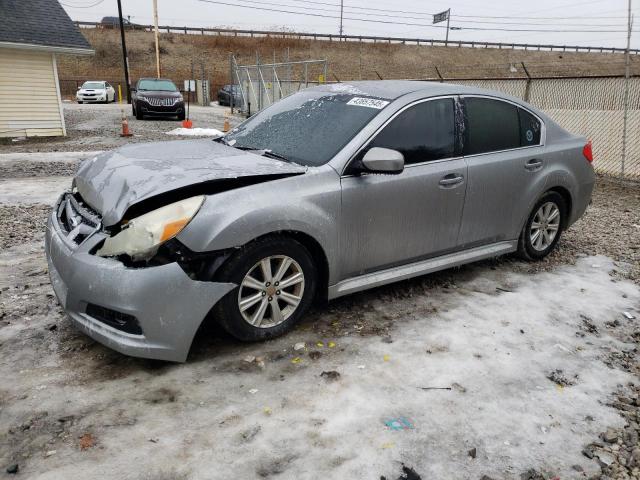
{"x":403,"y":272}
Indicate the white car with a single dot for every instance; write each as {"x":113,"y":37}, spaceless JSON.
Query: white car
{"x":96,"y":91}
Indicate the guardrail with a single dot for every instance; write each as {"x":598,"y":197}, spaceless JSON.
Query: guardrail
{"x":363,"y":38}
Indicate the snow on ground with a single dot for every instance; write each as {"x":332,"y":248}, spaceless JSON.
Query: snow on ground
{"x":493,"y":340}
{"x":196,"y":132}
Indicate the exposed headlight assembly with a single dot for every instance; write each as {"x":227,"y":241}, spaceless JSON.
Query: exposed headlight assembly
{"x":140,"y":237}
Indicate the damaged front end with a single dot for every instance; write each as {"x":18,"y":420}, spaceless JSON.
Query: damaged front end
{"x":149,"y":306}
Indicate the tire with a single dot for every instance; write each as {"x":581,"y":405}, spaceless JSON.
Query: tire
{"x":181,"y":116}
{"x":80,"y":102}
{"x":248,"y":260}
{"x":137,"y":113}
{"x":536,"y":247}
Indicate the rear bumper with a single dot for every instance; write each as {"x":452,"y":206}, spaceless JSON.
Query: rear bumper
{"x":168,"y":305}
{"x":582,"y":198}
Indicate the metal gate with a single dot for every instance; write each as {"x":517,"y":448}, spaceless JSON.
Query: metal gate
{"x":262,"y":84}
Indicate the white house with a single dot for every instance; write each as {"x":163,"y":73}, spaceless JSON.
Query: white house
{"x":31,"y":34}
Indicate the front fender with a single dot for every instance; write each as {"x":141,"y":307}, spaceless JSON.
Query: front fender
{"x":308,"y":203}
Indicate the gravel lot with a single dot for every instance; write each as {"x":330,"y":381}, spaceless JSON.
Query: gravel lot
{"x":98,"y":127}
{"x":498,"y":370}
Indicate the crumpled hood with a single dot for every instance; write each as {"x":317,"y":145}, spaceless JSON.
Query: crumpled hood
{"x":114,"y":181}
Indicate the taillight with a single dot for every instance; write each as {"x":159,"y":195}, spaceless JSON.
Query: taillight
{"x":588,"y":152}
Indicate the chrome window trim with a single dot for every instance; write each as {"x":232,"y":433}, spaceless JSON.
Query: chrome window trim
{"x":543,"y":126}
{"x":389,"y":120}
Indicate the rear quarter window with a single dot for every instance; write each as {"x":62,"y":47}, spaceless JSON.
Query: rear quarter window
{"x":530,"y":129}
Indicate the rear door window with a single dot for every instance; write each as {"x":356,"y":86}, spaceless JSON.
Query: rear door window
{"x":492,"y":125}
{"x":422,"y":133}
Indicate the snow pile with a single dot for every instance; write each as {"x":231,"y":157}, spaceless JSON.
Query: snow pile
{"x":196,"y":132}
{"x":467,"y":368}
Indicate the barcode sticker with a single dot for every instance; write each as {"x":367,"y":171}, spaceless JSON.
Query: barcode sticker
{"x":368,"y":102}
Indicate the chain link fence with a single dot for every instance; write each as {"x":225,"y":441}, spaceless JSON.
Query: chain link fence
{"x":262,"y":84}
{"x":593,"y":107}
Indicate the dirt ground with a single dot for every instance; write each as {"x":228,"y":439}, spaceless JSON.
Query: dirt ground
{"x":498,"y":370}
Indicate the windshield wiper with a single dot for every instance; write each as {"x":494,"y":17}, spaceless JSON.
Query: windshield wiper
{"x":262,"y":151}
{"x":270,"y":154}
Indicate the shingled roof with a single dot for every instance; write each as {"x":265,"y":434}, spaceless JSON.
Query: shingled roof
{"x":40,"y":23}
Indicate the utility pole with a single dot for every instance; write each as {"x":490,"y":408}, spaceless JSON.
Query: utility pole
{"x":125,"y":59}
{"x":341,"y":11}
{"x":627,"y":74}
{"x":155,"y":24}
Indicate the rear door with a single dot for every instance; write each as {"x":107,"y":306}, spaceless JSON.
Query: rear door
{"x":504,"y":152}
{"x":389,"y":220}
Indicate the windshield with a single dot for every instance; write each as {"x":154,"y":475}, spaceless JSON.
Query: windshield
{"x":93,"y":85}
{"x":309,"y":127}
{"x":159,"y":85}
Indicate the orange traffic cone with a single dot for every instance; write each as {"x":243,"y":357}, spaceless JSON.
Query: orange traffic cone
{"x":226,"y":127}
{"x":125,"y":126}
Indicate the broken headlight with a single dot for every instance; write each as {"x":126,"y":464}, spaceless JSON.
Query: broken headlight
{"x":142,"y":236}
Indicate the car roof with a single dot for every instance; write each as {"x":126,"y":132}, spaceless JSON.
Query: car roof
{"x":158,"y":79}
{"x":393,"y":89}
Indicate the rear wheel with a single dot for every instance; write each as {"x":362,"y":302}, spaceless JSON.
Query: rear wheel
{"x":544,"y":226}
{"x":276,"y":281}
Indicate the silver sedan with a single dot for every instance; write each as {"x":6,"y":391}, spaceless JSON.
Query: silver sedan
{"x":330,"y":191}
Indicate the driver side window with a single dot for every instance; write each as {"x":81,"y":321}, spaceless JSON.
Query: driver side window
{"x":422,"y":133}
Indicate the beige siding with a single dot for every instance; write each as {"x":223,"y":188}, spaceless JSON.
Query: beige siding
{"x":29,"y":98}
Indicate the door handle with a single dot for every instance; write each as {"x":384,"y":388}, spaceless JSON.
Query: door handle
{"x":533,"y":165}
{"x":451,"y":179}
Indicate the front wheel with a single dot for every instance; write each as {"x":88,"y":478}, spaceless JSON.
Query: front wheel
{"x":276,"y":280}
{"x":544,"y":226}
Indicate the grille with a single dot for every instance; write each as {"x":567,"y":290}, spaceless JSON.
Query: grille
{"x":76,"y":220}
{"x":118,"y":320}
{"x":161,"y":102}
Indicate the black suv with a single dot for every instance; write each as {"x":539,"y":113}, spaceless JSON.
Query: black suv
{"x":157,"y":97}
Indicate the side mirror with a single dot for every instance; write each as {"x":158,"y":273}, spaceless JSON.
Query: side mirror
{"x":79,"y":88}
{"x":133,"y":89}
{"x":383,"y":160}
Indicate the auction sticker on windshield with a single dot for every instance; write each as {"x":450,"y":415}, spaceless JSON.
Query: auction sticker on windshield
{"x":368,"y":102}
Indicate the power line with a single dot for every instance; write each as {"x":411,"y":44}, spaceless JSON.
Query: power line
{"x":389,"y":22}
{"x":386,"y":12}
{"x":83,"y":6}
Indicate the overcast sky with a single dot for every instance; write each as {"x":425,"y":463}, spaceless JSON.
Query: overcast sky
{"x":564,"y":20}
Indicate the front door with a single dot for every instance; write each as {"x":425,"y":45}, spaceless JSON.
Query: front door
{"x":389,"y":220}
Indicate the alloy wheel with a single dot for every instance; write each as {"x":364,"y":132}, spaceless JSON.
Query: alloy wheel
{"x":271,"y":291}
{"x":545,"y":226}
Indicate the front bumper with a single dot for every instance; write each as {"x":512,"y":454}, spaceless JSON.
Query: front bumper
{"x":160,"y":110}
{"x":168,"y":305}
{"x":93,"y":98}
